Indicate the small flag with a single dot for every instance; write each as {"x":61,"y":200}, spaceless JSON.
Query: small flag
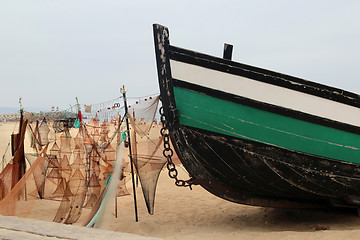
{"x":88,"y":108}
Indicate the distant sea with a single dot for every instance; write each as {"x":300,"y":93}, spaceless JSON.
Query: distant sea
{"x":8,"y":110}
{"x":16,"y":110}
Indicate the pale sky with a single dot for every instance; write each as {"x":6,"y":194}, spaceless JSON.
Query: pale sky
{"x":53,"y":51}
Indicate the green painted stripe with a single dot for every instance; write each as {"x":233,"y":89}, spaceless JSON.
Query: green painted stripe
{"x":220,"y":116}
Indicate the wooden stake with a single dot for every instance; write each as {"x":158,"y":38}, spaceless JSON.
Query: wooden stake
{"x":135,"y":144}
{"x":115,"y":206}
{"x":131,"y":160}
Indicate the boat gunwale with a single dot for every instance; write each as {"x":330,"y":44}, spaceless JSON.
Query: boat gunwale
{"x":264,"y":75}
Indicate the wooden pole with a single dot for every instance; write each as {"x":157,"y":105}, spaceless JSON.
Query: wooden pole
{"x":135,"y":144}
{"x":17,"y":141}
{"x":115,"y":206}
{"x":131,"y":160}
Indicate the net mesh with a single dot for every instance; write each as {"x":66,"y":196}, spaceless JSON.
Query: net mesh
{"x":72,"y":168}
{"x":43,"y":132}
{"x":5,"y":180}
{"x":143,"y":115}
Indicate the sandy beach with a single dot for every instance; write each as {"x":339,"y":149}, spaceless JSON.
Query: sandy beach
{"x":181,"y":213}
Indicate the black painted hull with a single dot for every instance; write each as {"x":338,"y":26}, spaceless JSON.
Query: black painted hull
{"x":258,"y":174}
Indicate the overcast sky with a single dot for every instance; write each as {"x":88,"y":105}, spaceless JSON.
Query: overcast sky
{"x":53,"y":51}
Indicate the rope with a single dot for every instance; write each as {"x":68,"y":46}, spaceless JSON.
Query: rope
{"x":154,"y":94}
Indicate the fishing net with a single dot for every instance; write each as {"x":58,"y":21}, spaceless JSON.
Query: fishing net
{"x":94,"y":129}
{"x":146,"y":147}
{"x":148,"y":165}
{"x":59,"y":174}
{"x":78,"y":188}
{"x":142,"y":115}
{"x":123,"y":191}
{"x":31,"y":157}
{"x":18,"y":192}
{"x":43,"y":132}
{"x":109,"y":193}
{"x":34,"y":127}
{"x":5,"y":180}
{"x":104,"y":131}
{"x":64,"y":207}
{"x":73,"y":168}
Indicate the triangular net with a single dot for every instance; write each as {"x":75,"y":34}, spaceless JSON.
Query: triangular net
{"x":146,"y":147}
{"x":43,"y":133}
{"x":142,"y":115}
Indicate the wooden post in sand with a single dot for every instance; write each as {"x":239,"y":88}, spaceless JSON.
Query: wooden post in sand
{"x":136,"y":160}
{"x":17,"y":147}
{"x":131,"y":160}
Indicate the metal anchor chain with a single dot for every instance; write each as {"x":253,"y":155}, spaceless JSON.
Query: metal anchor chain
{"x":168,"y":153}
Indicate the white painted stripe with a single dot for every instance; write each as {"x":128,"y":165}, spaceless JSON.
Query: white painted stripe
{"x":264,"y":92}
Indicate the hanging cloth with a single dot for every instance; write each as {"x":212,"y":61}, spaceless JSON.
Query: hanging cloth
{"x":78,"y":120}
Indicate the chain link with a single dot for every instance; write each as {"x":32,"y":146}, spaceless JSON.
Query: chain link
{"x":168,"y":154}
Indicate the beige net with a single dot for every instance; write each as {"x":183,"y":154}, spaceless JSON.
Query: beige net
{"x":142,"y":115}
{"x":18,"y":192}
{"x":72,"y":169}
{"x":43,"y":133}
{"x":5,"y":180}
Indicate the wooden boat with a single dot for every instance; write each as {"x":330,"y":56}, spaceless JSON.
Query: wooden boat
{"x":259,"y":137}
